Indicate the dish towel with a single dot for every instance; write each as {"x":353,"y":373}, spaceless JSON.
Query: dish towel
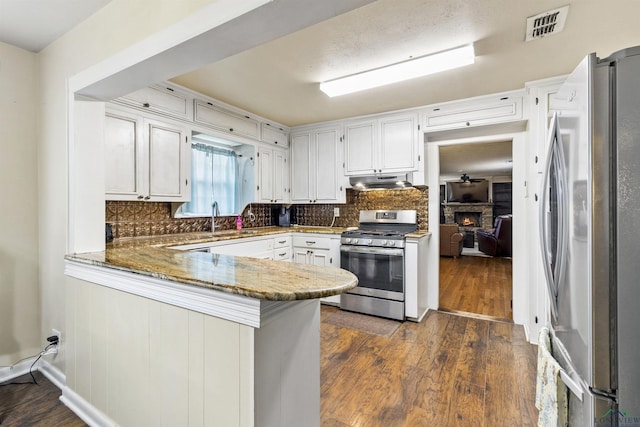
{"x":551,"y":392}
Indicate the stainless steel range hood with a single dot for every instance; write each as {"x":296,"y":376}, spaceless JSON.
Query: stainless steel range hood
{"x":373,"y":182}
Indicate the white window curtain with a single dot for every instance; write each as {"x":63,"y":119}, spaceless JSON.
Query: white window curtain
{"x":214,"y":174}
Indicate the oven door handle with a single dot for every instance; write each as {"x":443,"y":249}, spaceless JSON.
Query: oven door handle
{"x":372,"y":250}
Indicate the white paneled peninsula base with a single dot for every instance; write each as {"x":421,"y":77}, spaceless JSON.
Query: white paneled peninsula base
{"x":163,"y":337}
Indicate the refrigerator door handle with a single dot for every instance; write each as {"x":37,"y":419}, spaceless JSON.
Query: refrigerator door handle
{"x":544,"y":221}
{"x":563,"y":217}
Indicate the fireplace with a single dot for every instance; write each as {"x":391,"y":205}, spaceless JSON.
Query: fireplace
{"x":468,"y":219}
{"x":482,"y":213}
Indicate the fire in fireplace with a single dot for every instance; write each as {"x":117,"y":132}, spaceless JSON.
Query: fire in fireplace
{"x":468,"y":219}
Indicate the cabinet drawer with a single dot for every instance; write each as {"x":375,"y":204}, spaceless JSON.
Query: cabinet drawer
{"x":225,"y":120}
{"x":282,"y":254}
{"x":274,"y":134}
{"x":282,"y":242}
{"x":474,"y":114}
{"x":311,"y":242}
{"x":160,"y":99}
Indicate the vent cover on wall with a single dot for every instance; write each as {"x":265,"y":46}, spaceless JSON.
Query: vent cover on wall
{"x":546,"y":23}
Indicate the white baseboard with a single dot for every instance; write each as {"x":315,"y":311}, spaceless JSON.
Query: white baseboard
{"x":53,"y":374}
{"x":10,"y":373}
{"x":84,"y":410}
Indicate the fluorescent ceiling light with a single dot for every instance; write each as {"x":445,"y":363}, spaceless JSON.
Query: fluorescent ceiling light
{"x":422,"y":66}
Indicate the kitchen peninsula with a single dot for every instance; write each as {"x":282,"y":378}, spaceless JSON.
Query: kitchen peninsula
{"x":205,"y":338}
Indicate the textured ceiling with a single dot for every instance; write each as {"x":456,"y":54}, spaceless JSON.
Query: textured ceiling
{"x":279,"y":80}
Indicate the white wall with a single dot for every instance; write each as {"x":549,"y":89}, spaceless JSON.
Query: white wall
{"x":115,"y":27}
{"x":19,"y":295}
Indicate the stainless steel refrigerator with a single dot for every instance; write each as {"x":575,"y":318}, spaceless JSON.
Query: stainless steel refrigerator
{"x":590,"y":228}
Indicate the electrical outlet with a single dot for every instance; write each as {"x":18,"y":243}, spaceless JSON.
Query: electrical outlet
{"x":336,"y":212}
{"x":56,"y":333}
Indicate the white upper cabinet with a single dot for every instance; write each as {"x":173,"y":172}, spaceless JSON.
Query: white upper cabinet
{"x":168,"y":166}
{"x":145,"y":159}
{"x":209,"y":114}
{"x":476,"y":112}
{"x":123,"y":153}
{"x":385,"y":144}
{"x":315,"y":168}
{"x":361,"y":147}
{"x":162,"y":99}
{"x":273,"y":176}
{"x":399,"y":143}
{"x":274,"y":134}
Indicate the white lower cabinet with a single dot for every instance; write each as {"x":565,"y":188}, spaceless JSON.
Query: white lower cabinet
{"x":282,"y":248}
{"x":415,"y":259}
{"x":303,"y":248}
{"x":318,"y":250}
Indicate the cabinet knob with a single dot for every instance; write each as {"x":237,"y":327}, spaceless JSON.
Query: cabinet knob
{"x":147,"y":197}
{"x":146,"y":105}
{"x":230,"y":129}
{"x":140,"y":196}
{"x":468,"y":124}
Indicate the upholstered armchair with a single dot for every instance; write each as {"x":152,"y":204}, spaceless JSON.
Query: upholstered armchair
{"x":496,"y":242}
{"x":450,"y":240}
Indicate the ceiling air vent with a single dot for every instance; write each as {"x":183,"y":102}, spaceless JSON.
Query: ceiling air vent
{"x":546,"y":23}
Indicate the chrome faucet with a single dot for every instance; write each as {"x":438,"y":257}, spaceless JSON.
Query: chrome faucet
{"x":214,"y":213}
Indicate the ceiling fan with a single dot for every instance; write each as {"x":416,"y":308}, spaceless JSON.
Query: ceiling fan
{"x":465,"y":178}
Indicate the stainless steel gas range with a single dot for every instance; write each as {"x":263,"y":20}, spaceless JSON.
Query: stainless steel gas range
{"x":375,"y":254}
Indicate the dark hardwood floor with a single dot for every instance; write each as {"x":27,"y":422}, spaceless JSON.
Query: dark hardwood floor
{"x":34,"y":405}
{"x":448,"y":370}
{"x":477,"y":285}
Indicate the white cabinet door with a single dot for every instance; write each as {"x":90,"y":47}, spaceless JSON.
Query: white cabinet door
{"x":146,"y":159}
{"x":209,"y":114}
{"x":273,"y":176}
{"x":399,"y":143}
{"x":361,"y":148}
{"x":123,"y":151}
{"x":274,"y":134}
{"x":265,"y":175}
{"x":327,"y":167}
{"x":280,"y":176}
{"x":387,"y":144}
{"x":483,"y":111}
{"x":301,"y":152}
{"x":167,"y":147}
{"x":161,"y":99}
{"x":316,"y":166}
{"x":301,"y":255}
{"x":320,"y":257}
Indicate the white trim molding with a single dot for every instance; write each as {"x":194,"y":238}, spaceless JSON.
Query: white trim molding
{"x":236,"y":308}
{"x":84,"y":410}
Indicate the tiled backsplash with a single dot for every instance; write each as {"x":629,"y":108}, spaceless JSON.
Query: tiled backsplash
{"x":134,"y":219}
{"x":413,"y":198}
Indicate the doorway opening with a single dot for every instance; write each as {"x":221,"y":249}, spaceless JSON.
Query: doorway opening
{"x":476,"y":271}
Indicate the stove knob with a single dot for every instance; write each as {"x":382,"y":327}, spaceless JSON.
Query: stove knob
{"x":347,"y":240}
{"x":370,"y":241}
{"x":383,"y":242}
{"x":355,"y":241}
{"x":392,"y":243}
